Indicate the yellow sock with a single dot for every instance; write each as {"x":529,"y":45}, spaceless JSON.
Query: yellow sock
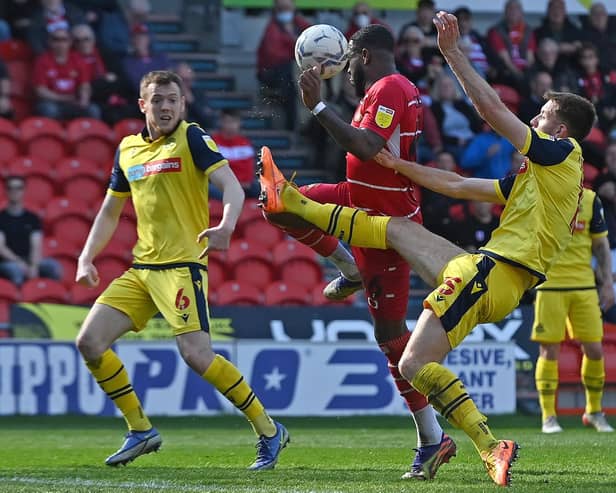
{"x":448,"y":396}
{"x":230,"y":383}
{"x":546,"y":380}
{"x":112,"y":377}
{"x":593,"y":379}
{"x":346,"y":223}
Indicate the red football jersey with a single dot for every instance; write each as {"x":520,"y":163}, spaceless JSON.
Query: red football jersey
{"x":392,"y":108}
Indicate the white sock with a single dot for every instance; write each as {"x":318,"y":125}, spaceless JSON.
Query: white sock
{"x":429,"y":431}
{"x":345,"y":263}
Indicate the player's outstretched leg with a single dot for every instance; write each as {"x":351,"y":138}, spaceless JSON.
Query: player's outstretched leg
{"x":428,"y":459}
{"x":268,"y":449}
{"x":136,"y":443}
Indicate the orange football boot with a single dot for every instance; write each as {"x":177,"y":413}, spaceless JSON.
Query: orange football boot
{"x":272,"y":182}
{"x":498,"y":461}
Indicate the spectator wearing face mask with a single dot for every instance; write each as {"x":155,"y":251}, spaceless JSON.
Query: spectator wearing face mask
{"x":362,"y":17}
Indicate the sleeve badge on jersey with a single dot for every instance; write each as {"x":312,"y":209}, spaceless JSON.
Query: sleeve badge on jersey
{"x":384,"y":116}
{"x":210,"y":143}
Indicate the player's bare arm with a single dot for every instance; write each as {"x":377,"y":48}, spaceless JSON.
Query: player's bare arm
{"x":441,"y":181}
{"x":484,"y":98}
{"x":101,"y":232}
{"x":601,"y":251}
{"x":219,"y":235}
{"x":363,"y":143}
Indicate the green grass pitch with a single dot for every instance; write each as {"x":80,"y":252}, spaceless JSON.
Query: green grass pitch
{"x":354,"y":455}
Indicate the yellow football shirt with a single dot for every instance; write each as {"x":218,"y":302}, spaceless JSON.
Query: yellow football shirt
{"x":541,"y":204}
{"x":167,"y":179}
{"x":573,"y":268}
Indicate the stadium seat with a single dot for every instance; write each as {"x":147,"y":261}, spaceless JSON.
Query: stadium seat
{"x":296,"y":262}
{"x":85,"y":188}
{"x":60,"y":207}
{"x":93,"y":139}
{"x":286,"y":293}
{"x":40,"y":290}
{"x":250,"y":212}
{"x":9,"y":292}
{"x":508,"y":95}
{"x":250,"y":262}
{"x":235,"y":293}
{"x":216,"y":272}
{"x":609,"y":350}
{"x":39,"y":192}
{"x":241,"y":250}
{"x":569,"y":362}
{"x":81,"y":295}
{"x":43,"y":137}
{"x":216,"y":210}
{"x":29,"y":166}
{"x":69,"y":269}
{"x":110,"y":267}
{"x":263,"y":232}
{"x":15,"y":49}
{"x":127,"y":126}
{"x":72,"y":166}
{"x":53,"y":247}
{"x":9,"y":140}
{"x":73,"y":229}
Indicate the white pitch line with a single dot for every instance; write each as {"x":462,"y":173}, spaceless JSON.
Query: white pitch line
{"x":153,"y":485}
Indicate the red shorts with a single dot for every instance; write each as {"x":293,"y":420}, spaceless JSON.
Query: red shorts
{"x":385,"y":274}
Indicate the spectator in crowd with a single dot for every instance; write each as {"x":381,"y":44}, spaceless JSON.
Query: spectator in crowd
{"x":51,"y":16}
{"x":593,"y":83}
{"x":21,"y":239}
{"x":276,"y":58}
{"x":548,"y":60}
{"x":540,"y":83}
{"x":362,"y":15}
{"x":435,"y":207}
{"x":142,"y":59}
{"x":238,"y":150}
{"x":426,"y":11}
{"x":488,"y":155}
{"x":137,"y":13}
{"x":558,"y":26}
{"x":457,"y":119}
{"x":605,"y":185}
{"x":431,"y":141}
{"x":472,"y":42}
{"x":601,"y":32}
{"x":196,"y":105}
{"x":513,"y":41}
{"x":476,"y":228}
{"x":6,"y":107}
{"x":411,"y":57}
{"x":61,"y":81}
{"x":108,"y":88}
{"x":17,"y":14}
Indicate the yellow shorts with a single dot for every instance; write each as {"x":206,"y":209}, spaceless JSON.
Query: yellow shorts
{"x":476,"y":289}
{"x":576,"y":311}
{"x":179,"y":293}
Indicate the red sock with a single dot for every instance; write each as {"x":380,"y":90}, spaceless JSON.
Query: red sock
{"x":321,"y":243}
{"x":393,"y":352}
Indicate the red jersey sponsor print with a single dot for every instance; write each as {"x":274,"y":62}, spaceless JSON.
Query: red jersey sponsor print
{"x":139,"y":171}
{"x":391,"y":108}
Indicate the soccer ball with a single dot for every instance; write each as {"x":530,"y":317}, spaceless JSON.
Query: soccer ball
{"x":324,"y":45}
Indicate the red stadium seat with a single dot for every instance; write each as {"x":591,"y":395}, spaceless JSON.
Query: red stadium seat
{"x":292,"y":249}
{"x":41,"y":290}
{"x":81,"y":295}
{"x":85,"y":188}
{"x":569,"y":362}
{"x":295,"y":262}
{"x":73,"y":166}
{"x":69,"y":269}
{"x":609,"y":350}
{"x":127,"y":126}
{"x":250,"y":262}
{"x":15,"y":49}
{"x":9,"y":292}
{"x":263,"y":232}
{"x":216,"y":272}
{"x":250,"y":212}
{"x":54,"y":247}
{"x":216,"y":210}
{"x":118,"y":250}
{"x":60,"y":207}
{"x":9,"y":140}
{"x":235,"y":293}
{"x":241,"y":250}
{"x":73,"y":229}
{"x":508,"y":95}
{"x":30,"y":166}
{"x":39,"y":191}
{"x":93,"y":139}
{"x":286,"y":293}
{"x":43,"y":137}
{"x":110,"y":267}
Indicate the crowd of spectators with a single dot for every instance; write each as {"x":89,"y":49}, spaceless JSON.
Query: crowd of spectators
{"x":89,"y":55}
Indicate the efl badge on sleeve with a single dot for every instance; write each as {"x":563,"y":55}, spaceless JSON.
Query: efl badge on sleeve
{"x":384,"y":116}
{"x":210,"y":143}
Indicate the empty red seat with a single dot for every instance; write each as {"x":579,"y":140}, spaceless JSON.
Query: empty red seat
{"x":251,"y":211}
{"x":85,"y":188}
{"x":29,"y":166}
{"x":263,"y":232}
{"x":69,"y":269}
{"x":127,"y":126}
{"x":250,"y":262}
{"x":216,"y":272}
{"x":295,"y":262}
{"x":73,"y":229}
{"x":73,"y":166}
{"x":40,"y":290}
{"x":82,"y":295}
{"x":609,"y":351}
{"x":286,"y":293}
{"x":216,"y":210}
{"x":109,"y":268}
{"x":9,"y":292}
{"x":43,"y":137}
{"x":569,"y":362}
{"x":93,"y":139}
{"x":9,"y":140}
{"x":40,"y":190}
{"x":53,"y":247}
{"x":235,"y":293}
{"x":66,"y":206}
{"x":15,"y":49}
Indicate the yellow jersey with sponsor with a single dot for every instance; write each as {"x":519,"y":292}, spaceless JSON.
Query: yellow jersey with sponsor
{"x":542,"y":201}
{"x":573,"y":268}
{"x":168,"y":181}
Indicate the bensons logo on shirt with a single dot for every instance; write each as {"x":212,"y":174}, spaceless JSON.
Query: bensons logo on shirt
{"x":139,"y":171}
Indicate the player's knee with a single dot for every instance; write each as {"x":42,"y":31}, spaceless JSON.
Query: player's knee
{"x":593,"y":350}
{"x":198,"y":358}
{"x":408,"y":366}
{"x":89,"y":347}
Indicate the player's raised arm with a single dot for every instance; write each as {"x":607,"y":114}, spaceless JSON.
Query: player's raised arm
{"x":484,"y":98}
{"x":444,"y":182}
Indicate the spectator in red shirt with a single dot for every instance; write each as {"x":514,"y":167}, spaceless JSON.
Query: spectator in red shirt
{"x":276,"y":58}
{"x":62,"y":82}
{"x":514,"y":43}
{"x":50,"y":16}
{"x":238,"y":150}
{"x":6,"y":108}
